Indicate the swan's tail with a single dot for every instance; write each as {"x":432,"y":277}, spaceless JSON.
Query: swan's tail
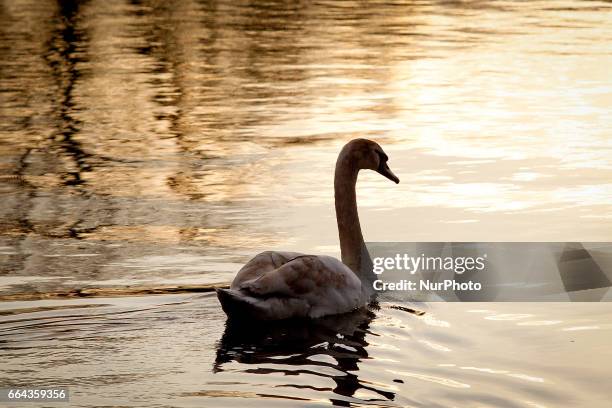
{"x":237,"y":305}
{"x":242,"y":306}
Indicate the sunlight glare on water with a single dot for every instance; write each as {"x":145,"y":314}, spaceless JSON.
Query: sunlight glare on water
{"x":189,"y":129}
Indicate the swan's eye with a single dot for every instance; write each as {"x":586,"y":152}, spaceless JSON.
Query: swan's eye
{"x":383,"y":157}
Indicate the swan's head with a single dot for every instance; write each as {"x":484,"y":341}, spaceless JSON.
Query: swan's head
{"x":366,"y":154}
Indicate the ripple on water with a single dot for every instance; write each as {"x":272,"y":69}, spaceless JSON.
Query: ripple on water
{"x":114,"y":350}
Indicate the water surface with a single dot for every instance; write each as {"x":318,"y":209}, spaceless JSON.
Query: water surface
{"x":178,"y":351}
{"x":170,"y":141}
{"x":153,"y":143}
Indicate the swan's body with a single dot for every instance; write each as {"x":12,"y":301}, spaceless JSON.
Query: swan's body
{"x":280,"y":285}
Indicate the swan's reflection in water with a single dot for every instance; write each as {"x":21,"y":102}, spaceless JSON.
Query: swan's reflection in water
{"x":330,"y":347}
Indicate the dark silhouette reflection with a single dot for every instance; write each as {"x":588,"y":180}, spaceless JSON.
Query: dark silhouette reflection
{"x":293,"y":343}
{"x":66,"y":48}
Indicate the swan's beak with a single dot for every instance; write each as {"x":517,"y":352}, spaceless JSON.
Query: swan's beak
{"x":386,"y":171}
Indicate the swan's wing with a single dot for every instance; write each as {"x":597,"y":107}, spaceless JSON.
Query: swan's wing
{"x":278,"y":285}
{"x":261,"y":264}
{"x":316,"y":279}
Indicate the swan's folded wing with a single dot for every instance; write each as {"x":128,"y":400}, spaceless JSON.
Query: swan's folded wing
{"x":260,"y":265}
{"x":302,"y":276}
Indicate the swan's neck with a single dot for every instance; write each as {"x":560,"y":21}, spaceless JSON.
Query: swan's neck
{"x":352,"y":247}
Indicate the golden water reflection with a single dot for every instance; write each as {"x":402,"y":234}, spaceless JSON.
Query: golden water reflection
{"x":211,"y":128}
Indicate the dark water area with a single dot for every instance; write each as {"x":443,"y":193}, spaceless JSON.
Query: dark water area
{"x":151,"y":143}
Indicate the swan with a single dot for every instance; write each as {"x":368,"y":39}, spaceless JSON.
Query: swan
{"x":281,"y":285}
